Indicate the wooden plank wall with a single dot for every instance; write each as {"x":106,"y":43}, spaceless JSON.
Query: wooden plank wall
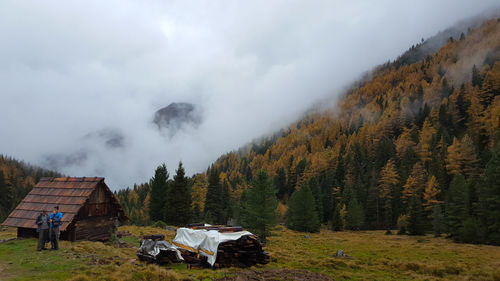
{"x":95,"y":229}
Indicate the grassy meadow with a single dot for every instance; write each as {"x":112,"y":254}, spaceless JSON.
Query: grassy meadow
{"x":374,"y":256}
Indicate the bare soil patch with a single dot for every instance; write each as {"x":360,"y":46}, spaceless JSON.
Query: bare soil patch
{"x":276,"y":274}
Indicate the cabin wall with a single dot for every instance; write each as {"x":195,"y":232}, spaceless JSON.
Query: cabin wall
{"x":96,"y":228}
{"x":99,"y":204}
{"x":22,"y":232}
{"x":26,"y":232}
{"x":97,"y":219}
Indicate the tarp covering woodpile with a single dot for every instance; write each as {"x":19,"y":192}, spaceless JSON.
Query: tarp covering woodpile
{"x":155,"y":249}
{"x":220,"y":246}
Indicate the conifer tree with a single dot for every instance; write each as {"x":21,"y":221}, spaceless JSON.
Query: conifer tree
{"x":316,"y":191}
{"x":462,"y":158}
{"x":159,"y":188}
{"x":489,"y":199}
{"x":469,"y":159}
{"x":477,"y":79}
{"x":437,"y":167}
{"x":225,"y":201}
{"x":456,"y":211}
{"x":453,"y":164}
{"x":355,"y":215}
{"x":301,"y":214}
{"x":199,"y":193}
{"x":431,"y":193}
{"x":280,"y":183}
{"x":373,"y":206}
{"x":409,"y":189}
{"x":336,"y":222}
{"x":327,"y":197}
{"x":259,"y":208}
{"x":462,"y":104}
{"x":415,"y":217}
{"x":438,"y":223}
{"x":490,"y":86}
{"x":178,"y":200}
{"x":426,"y":135}
{"x":213,"y":203}
{"x":6,"y":198}
{"x":388,"y":179}
{"x":196,"y":217}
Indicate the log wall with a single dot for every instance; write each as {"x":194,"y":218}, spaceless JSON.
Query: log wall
{"x":95,"y":229}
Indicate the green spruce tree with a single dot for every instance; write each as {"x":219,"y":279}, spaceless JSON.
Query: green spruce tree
{"x":302,"y":214}
{"x":489,"y":199}
{"x":318,"y":196}
{"x":178,"y":200}
{"x":280,"y":183}
{"x":159,"y":188}
{"x":416,"y":224}
{"x":259,"y":208}
{"x":456,"y":206}
{"x":355,"y":217}
{"x":213,"y":201}
{"x":226,"y":202}
{"x":196,"y":217}
{"x":336,"y":222}
{"x":438,"y":223}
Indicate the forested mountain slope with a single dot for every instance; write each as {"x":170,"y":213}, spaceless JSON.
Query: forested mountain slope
{"x":416,"y":143}
{"x":416,"y":146}
{"x":16,"y":180}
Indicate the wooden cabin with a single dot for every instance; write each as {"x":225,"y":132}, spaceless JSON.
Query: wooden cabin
{"x":90,"y":210}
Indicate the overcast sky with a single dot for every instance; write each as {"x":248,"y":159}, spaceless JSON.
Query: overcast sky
{"x":74,"y":72}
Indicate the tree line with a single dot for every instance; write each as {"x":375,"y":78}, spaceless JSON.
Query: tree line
{"x":16,"y":180}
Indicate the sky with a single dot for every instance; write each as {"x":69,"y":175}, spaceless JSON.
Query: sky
{"x":75,"y":73}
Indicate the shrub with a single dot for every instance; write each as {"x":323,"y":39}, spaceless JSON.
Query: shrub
{"x":402,"y":224}
{"x":159,"y":224}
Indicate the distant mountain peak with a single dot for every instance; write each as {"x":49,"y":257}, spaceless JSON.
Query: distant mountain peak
{"x":177,"y":115}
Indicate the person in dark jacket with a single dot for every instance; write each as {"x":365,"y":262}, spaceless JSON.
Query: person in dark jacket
{"x":55,"y":222}
{"x":42,"y":222}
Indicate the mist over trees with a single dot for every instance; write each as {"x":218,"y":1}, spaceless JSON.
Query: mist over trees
{"x":415,"y":147}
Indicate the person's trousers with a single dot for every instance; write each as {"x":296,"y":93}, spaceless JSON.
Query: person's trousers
{"x":42,"y":237}
{"x":54,"y":237}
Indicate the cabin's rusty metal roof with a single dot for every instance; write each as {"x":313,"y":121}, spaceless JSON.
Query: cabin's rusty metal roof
{"x":68,"y":193}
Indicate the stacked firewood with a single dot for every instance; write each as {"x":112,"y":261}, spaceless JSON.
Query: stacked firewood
{"x":244,"y":252}
{"x":193,"y":260}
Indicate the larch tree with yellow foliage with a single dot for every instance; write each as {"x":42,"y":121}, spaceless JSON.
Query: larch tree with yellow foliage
{"x":388,"y":179}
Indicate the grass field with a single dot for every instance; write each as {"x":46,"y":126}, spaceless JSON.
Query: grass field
{"x":375,"y":256}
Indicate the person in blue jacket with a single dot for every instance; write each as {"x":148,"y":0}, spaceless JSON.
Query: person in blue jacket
{"x":55,"y":222}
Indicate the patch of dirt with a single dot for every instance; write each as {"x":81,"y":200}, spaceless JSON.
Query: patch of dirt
{"x":4,"y":272}
{"x":276,"y":274}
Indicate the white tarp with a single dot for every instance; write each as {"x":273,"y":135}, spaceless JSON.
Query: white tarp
{"x":205,"y":242}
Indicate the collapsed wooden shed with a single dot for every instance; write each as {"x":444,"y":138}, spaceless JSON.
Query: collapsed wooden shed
{"x":90,"y":210}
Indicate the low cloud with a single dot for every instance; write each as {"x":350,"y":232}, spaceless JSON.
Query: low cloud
{"x":80,"y":81}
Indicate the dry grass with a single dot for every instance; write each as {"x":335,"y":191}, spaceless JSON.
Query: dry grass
{"x":375,"y":256}
{"x":7,"y":232}
{"x":384,"y":257}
